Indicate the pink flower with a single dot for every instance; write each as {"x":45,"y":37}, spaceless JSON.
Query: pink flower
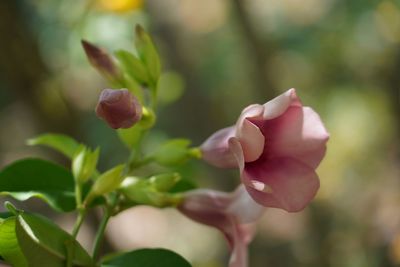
{"x":119,"y":108}
{"x":233,"y":214}
{"x":277,"y":147}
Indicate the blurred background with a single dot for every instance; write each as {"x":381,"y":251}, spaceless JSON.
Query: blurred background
{"x":343,"y":57}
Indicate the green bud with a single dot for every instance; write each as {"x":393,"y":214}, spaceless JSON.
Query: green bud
{"x":164,"y":182}
{"x":140,"y":191}
{"x":148,"y":54}
{"x":107,"y":182}
{"x":173,"y":152}
{"x":84,"y":164}
{"x":148,"y":118}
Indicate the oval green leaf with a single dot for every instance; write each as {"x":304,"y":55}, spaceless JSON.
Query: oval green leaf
{"x":28,"y":178}
{"x":157,"y":257}
{"x":62,"y":143}
{"x":9,"y":247}
{"x":44,"y":244}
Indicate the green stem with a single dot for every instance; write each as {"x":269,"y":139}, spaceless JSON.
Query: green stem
{"x":100,"y":233}
{"x":78,"y":223}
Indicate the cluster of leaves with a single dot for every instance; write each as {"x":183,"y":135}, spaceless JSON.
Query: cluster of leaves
{"x":28,"y":239}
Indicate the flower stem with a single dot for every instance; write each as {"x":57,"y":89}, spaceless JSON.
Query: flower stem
{"x":78,"y":223}
{"x":100,"y":233}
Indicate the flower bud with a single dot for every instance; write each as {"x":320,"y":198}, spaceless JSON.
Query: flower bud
{"x":101,"y":60}
{"x":119,"y":108}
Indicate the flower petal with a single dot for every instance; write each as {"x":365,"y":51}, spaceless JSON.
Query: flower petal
{"x":219,"y":210}
{"x":215,"y":149}
{"x":281,"y":183}
{"x":298,"y":133}
{"x":249,"y":135}
{"x":280,"y":104}
{"x":245,"y":209}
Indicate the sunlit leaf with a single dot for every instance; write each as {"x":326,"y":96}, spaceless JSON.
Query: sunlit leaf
{"x":44,"y":244}
{"x":28,"y":178}
{"x":9,"y":247}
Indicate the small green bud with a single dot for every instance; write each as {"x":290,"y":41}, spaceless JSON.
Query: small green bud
{"x":107,"y":182}
{"x":142,"y":191}
{"x":164,"y":182}
{"x":84,"y":164}
{"x":173,"y":152}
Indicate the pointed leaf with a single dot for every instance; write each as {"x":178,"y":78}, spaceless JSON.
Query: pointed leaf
{"x":44,"y":244}
{"x":62,"y":143}
{"x":148,"y":54}
{"x":133,"y":66}
{"x":28,"y":178}
{"x":9,"y":247}
{"x":147,"y":258}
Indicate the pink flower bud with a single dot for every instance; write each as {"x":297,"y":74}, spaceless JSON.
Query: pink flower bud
{"x":119,"y":108}
{"x":101,"y":60}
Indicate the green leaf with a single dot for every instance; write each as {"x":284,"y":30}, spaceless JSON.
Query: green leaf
{"x":148,"y":54}
{"x":5,"y":215}
{"x":147,"y":258}
{"x":44,"y":244}
{"x":59,"y":142}
{"x":133,"y":66}
{"x":171,"y":87}
{"x":9,"y":247}
{"x":28,"y":178}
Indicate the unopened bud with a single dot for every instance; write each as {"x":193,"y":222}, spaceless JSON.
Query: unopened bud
{"x":101,"y":60}
{"x":119,"y":108}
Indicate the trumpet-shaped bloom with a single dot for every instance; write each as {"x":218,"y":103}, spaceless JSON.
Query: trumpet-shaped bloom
{"x":234,"y":214}
{"x":277,"y":147}
{"x":119,"y":108}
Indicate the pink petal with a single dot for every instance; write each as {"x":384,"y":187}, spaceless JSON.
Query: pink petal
{"x":245,"y":209}
{"x":220,"y":210}
{"x":249,"y":135}
{"x":298,"y":133}
{"x":280,"y":104}
{"x":281,"y":183}
{"x":215,"y":149}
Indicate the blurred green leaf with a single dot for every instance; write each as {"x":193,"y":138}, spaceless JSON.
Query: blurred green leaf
{"x":183,"y":185}
{"x":9,"y":247}
{"x":130,"y":137}
{"x":171,"y":87}
{"x":62,"y":143}
{"x":44,"y":244}
{"x":147,"y":258}
{"x":28,"y":178}
{"x":133,"y":66}
{"x":148,"y":54}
